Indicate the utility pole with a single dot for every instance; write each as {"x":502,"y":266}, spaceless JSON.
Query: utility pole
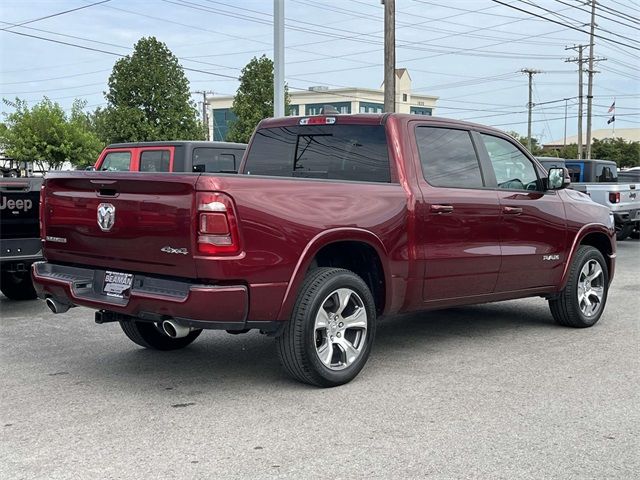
{"x":579,"y":61}
{"x":565,"y":122}
{"x":389,"y":55}
{"x":205,"y":119}
{"x":591,"y":72}
{"x":531,"y":72}
{"x":278,"y":58}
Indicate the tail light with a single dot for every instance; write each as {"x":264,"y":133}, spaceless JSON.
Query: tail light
{"x":614,"y":197}
{"x":217,"y":225}
{"x":41,"y":210}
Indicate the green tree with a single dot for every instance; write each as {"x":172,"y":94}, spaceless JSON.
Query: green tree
{"x":148,"y":98}
{"x":536,"y":149}
{"x":47,"y":136}
{"x":254,"y":99}
{"x":625,"y":154}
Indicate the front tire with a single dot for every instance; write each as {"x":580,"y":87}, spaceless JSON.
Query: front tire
{"x":150,"y":335}
{"x":582,"y":301}
{"x":17,"y":285}
{"x":330,"y":334}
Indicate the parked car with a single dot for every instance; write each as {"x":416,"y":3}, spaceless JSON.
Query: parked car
{"x":592,"y":171}
{"x":180,"y":156}
{"x":332,"y":222}
{"x":600,"y":180}
{"x":20,"y":243}
{"x":549,"y":162}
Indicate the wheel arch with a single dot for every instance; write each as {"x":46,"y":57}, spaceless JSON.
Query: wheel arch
{"x":343,"y":248}
{"x":597,"y":236}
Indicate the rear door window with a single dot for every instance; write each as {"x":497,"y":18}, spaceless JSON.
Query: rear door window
{"x":448,"y":158}
{"x":155,"y":161}
{"x":215,"y":160}
{"x":335,"y":152}
{"x":116,"y":162}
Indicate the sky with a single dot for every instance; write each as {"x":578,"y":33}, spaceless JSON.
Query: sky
{"x":469,"y":53}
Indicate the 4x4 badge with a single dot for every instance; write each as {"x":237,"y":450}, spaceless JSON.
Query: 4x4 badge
{"x":106,"y":216}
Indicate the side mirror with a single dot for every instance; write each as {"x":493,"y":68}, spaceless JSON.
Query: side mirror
{"x":558,"y":178}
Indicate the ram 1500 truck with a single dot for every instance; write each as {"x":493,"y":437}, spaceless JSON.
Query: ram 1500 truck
{"x":333,"y":222}
{"x":20,"y":243}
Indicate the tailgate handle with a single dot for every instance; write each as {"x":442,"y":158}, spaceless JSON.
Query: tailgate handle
{"x":103,"y":182}
{"x":512,"y":210}
{"x":440,"y":209}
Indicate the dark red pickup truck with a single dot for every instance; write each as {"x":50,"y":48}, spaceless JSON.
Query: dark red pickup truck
{"x":331,"y":223}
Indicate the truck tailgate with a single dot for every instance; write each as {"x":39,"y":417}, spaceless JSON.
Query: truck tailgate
{"x":129,"y":222}
{"x":19,"y":207}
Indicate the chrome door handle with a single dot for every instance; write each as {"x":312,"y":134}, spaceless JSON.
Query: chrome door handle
{"x":440,"y":209}
{"x":512,"y":210}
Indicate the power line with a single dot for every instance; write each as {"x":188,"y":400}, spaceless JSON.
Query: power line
{"x":58,"y":14}
{"x":560,"y":23}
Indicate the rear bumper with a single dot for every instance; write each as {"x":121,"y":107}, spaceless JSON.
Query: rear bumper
{"x":17,"y":250}
{"x":629,"y":216}
{"x":150,"y":298}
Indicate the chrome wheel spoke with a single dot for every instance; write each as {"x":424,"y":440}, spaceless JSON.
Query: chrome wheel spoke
{"x":595,"y":272}
{"x":325,"y":352}
{"x":598,"y":292}
{"x":322,"y":319}
{"x":344,"y":295}
{"x":348,"y":352}
{"x":357,"y":319}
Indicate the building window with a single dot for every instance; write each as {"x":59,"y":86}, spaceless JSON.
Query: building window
{"x":404,"y":97}
{"x":294,"y":110}
{"x":316,"y":108}
{"x":421,"y":111}
{"x":367,"y":107}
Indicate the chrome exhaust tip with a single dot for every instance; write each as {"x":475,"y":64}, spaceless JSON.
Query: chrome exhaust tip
{"x":55,"y":306}
{"x":175,"y":330}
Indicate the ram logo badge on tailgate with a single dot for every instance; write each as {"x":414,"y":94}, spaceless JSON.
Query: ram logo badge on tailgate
{"x":106,"y":216}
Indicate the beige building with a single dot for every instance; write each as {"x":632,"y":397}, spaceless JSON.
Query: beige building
{"x":345,"y":100}
{"x":627,"y":134}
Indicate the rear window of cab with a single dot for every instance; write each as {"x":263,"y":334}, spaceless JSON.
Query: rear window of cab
{"x":334,"y":152}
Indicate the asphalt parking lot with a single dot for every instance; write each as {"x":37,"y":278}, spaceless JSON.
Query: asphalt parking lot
{"x":490,"y":391}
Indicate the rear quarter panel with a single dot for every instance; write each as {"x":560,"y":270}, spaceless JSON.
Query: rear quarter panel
{"x":283,"y":222}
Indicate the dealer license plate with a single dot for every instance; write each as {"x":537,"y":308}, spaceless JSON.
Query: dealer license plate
{"x":117,"y":284}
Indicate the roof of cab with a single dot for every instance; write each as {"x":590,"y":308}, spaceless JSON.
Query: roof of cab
{"x":376,"y":119}
{"x":177,"y":143}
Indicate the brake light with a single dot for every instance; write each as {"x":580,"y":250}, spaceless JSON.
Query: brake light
{"x":41,"y":210}
{"x":319,"y":120}
{"x":614,"y":197}
{"x":216,"y":224}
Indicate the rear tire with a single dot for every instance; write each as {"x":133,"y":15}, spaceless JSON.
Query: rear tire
{"x":623,"y":232}
{"x":330,"y":334}
{"x":582,"y":301}
{"x":17,"y":285}
{"x":149,"y":335}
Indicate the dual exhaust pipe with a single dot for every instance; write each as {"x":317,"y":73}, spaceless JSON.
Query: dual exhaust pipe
{"x":169,"y":327}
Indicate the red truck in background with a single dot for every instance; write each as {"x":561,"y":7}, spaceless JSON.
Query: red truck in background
{"x":332,"y":222}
